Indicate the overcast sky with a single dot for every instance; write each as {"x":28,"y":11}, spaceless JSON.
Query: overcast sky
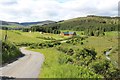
{"x":40,"y":10}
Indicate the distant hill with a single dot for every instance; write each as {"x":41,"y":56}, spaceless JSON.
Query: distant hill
{"x":91,"y":25}
{"x":83,"y":23}
{"x":80,"y":23}
{"x":24,"y":24}
{"x":36,"y":23}
{"x":89,"y":22}
{"x":10,"y":24}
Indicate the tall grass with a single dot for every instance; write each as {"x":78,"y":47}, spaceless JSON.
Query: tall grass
{"x":53,"y":67}
{"x":9,"y":52}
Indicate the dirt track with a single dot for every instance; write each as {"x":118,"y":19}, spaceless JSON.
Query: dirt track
{"x":25,"y":67}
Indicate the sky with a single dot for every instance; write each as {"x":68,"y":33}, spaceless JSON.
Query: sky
{"x":40,"y":10}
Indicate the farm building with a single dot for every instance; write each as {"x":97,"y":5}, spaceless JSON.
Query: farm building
{"x":68,"y":33}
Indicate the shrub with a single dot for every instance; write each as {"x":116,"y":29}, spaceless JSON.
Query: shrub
{"x":70,"y":52}
{"x":9,"y":52}
{"x":44,"y":45}
{"x":81,"y":43}
{"x":68,"y":41}
{"x":101,"y":67}
{"x":62,"y":49}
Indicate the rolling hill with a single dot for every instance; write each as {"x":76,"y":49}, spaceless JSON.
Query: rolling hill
{"x":36,"y":23}
{"x":91,"y":25}
{"x":80,"y":23}
{"x":24,"y":24}
{"x":83,"y":23}
{"x":10,"y":24}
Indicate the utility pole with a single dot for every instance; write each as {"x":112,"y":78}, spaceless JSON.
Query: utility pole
{"x":5,"y":38}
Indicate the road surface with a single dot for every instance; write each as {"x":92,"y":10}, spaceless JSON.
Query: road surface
{"x":25,"y":67}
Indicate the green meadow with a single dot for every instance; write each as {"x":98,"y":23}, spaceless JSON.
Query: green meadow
{"x":52,"y":67}
{"x":57,"y":63}
{"x":19,"y":37}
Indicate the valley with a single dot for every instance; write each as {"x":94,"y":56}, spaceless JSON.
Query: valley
{"x":79,"y":53}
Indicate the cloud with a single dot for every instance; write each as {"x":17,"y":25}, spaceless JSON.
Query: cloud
{"x":7,"y":2}
{"x":39,"y":10}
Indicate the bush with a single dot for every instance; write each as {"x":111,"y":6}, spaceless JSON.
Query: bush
{"x":44,"y":45}
{"x":68,"y":41}
{"x":101,"y":67}
{"x":81,"y":43}
{"x":70,"y":52}
{"x":47,"y":38}
{"x":9,"y":52}
{"x":62,"y":49}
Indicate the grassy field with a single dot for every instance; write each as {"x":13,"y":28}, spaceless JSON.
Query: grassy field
{"x":99,"y":43}
{"x":54,"y":68}
{"x":113,"y":38}
{"x":27,"y":37}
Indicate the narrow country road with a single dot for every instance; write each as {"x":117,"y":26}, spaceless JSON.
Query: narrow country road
{"x":25,"y":67}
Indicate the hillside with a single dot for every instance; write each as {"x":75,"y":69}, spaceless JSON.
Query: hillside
{"x":82,"y":23}
{"x":24,"y":24}
{"x":36,"y":23}
{"x":10,"y":24}
{"x":91,"y":25}
{"x":79,"y":24}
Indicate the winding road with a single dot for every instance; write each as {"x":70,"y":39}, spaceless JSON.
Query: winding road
{"x":25,"y":67}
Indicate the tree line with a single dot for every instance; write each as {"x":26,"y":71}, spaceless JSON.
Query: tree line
{"x":92,"y":26}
